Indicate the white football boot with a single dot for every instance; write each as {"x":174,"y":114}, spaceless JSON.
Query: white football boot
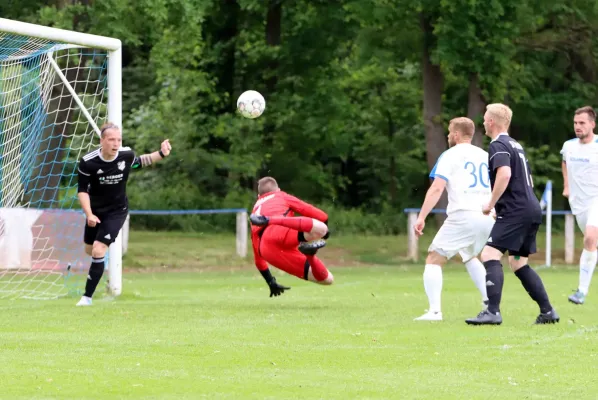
{"x":84,"y":302}
{"x":430,"y":316}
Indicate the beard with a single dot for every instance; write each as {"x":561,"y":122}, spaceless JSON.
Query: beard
{"x":583,"y":135}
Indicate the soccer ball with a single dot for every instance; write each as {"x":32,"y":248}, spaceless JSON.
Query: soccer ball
{"x":251,"y":104}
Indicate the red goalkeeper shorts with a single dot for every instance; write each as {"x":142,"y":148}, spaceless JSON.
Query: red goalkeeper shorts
{"x":278,"y":246}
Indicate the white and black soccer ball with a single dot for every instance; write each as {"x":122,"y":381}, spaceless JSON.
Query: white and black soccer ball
{"x":251,"y":104}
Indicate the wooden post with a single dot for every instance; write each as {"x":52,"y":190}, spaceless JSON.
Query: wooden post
{"x":569,"y":238}
{"x":242,"y":227}
{"x":412,"y":249}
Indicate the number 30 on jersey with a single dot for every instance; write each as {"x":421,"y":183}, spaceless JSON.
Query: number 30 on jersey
{"x":478,"y":174}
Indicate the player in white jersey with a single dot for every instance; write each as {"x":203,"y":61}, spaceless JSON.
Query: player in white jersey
{"x":463,"y":171}
{"x":580,"y":175}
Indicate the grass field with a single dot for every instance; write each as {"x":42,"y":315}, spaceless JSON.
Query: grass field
{"x":211,"y":331}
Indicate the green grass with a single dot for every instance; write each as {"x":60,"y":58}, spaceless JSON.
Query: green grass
{"x":214,"y":333}
{"x":185,"y":250}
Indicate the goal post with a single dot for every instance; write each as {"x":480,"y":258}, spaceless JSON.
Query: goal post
{"x":56,"y":87}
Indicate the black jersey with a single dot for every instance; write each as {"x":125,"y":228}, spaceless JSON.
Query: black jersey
{"x":519,"y":200}
{"x":106,"y":181}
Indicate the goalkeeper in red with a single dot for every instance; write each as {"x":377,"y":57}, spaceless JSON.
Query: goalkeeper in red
{"x":285,"y":241}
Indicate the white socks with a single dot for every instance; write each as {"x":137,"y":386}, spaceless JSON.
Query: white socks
{"x":478,"y":275}
{"x":587,"y":263}
{"x":433,"y":281}
{"x":433,"y":285}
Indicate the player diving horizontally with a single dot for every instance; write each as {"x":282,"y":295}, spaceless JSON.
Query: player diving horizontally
{"x":287,"y":242}
{"x":103,"y":175}
{"x":463,"y":171}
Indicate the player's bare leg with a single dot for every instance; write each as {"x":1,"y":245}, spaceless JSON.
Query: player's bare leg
{"x":587,"y":264}
{"x":318,"y":272}
{"x":96,"y":270}
{"x":534,"y":286}
{"x":318,"y":231}
{"x":313,"y":230}
{"x":313,"y":240}
{"x":433,"y":286}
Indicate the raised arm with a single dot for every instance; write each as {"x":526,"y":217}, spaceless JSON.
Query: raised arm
{"x":146,"y":160}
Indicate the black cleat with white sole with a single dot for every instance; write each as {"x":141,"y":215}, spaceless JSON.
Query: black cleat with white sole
{"x":311,"y":248}
{"x":258,"y":220}
{"x":485,"y":318}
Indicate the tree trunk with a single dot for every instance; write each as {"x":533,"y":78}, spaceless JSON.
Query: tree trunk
{"x":392,"y":163}
{"x":273,"y":38}
{"x":273,"y":33}
{"x":433,"y":83}
{"x":476,"y":106}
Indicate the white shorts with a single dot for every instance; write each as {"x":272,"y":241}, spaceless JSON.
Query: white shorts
{"x":588,"y":217}
{"x":463,"y":232}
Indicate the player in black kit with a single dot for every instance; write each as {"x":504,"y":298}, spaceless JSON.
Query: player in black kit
{"x":103,"y":175}
{"x":518,"y":217}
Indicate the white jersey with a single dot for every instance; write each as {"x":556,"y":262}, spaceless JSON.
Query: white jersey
{"x":582,"y":173}
{"x":465,"y":169}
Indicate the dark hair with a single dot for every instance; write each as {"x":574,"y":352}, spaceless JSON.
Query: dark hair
{"x":587,"y":110}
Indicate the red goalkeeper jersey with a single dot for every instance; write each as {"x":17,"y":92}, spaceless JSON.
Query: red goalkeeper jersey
{"x":279,"y":204}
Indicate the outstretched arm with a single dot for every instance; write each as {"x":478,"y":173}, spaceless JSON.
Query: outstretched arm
{"x":305,"y":209}
{"x":146,"y":160}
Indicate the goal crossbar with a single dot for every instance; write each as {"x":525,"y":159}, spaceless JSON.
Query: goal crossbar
{"x":59,"y":35}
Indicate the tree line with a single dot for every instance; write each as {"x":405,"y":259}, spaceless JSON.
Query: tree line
{"x":359,"y":93}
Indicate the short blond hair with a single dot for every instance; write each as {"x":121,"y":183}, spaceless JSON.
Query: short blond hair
{"x":587,"y":110}
{"x":266,"y":184}
{"x":464,"y":125}
{"x":500,"y":113}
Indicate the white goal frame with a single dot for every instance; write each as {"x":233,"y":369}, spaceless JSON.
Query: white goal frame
{"x":114,"y":49}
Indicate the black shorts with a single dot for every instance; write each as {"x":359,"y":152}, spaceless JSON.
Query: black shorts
{"x":518,"y":237}
{"x":107,"y":230}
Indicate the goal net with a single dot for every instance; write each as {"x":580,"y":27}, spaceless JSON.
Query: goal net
{"x":54,"y":93}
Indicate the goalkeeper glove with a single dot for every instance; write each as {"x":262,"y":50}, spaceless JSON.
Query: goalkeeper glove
{"x":275,"y":288}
